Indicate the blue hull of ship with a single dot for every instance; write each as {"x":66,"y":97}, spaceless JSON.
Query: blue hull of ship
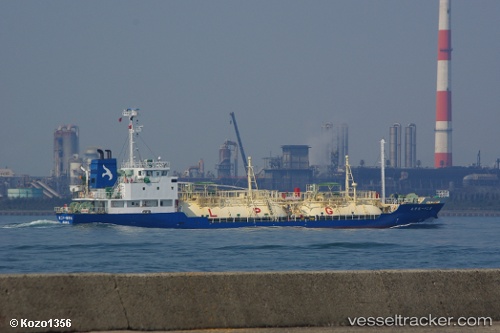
{"x":404,"y":215}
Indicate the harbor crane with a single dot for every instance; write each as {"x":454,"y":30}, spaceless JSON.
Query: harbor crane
{"x":243,"y":156}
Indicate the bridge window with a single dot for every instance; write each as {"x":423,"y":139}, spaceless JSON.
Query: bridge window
{"x":117,"y":204}
{"x":166,"y":203}
{"x":150,"y":203}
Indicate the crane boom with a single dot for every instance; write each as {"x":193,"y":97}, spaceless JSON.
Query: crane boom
{"x":243,"y":156}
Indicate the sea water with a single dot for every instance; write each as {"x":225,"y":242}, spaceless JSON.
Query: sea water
{"x":31,"y":244}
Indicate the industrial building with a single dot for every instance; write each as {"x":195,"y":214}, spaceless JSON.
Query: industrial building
{"x":66,"y":146}
{"x":228,"y":160}
{"x":342,"y":144}
{"x":330,"y":150}
{"x":289,"y":172}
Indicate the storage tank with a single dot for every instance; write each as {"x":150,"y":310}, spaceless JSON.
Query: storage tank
{"x":411,"y":146}
{"x":395,"y":146}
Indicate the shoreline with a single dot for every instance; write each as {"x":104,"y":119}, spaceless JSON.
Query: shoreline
{"x":469,"y":213}
{"x":27,"y":212}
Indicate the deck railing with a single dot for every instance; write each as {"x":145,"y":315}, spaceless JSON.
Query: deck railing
{"x":147,"y":164}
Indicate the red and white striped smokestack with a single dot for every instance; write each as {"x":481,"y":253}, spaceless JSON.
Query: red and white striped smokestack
{"x":442,"y":151}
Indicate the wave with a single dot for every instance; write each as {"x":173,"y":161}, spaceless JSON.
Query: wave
{"x":90,"y":247}
{"x":255,"y":247}
{"x":350,"y":245}
{"x":318,"y":246}
{"x":419,"y":226}
{"x":32,"y":224}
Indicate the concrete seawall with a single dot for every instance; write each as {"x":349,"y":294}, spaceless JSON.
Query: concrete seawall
{"x":181,"y":301}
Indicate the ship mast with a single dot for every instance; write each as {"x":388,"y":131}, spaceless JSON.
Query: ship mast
{"x":252,"y":181}
{"x":130,"y":114}
{"x":348,"y":178}
{"x":382,"y":168}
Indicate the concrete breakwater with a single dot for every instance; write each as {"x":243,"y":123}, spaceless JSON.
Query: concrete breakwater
{"x":181,"y":301}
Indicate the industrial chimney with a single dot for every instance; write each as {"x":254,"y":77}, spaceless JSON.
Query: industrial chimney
{"x":442,"y":151}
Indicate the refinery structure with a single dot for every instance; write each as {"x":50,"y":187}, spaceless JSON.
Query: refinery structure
{"x":66,"y":149}
{"x":292,"y":170}
{"x":396,"y":157}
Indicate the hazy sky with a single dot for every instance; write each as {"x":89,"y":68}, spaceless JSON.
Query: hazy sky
{"x":283,"y":67}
